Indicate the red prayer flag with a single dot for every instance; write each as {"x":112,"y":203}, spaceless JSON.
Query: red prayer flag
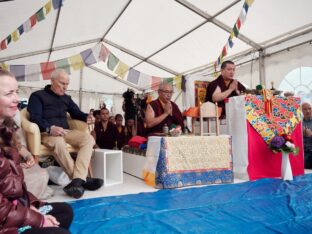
{"x":33,"y":20}
{"x":224,"y":52}
{"x":46,"y":69}
{"x":238,"y":23}
{"x":155,"y":82}
{"x":3,"y":45}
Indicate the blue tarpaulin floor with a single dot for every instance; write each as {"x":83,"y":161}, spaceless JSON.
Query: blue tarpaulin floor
{"x":262,"y":206}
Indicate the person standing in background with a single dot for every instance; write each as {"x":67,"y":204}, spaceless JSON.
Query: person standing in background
{"x":307,"y":134}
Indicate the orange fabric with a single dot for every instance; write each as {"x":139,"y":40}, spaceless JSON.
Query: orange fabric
{"x":149,"y":178}
{"x":192,"y":112}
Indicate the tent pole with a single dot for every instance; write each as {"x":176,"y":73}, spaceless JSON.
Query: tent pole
{"x":262,"y":67}
{"x":80,"y":88}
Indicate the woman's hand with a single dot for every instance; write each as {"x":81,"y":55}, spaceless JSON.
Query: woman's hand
{"x":30,"y":161}
{"x":50,"y":221}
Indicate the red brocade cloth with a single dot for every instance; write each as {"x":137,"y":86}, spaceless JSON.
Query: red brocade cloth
{"x":263,"y":163}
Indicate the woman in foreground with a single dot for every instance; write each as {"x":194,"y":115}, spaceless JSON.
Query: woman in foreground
{"x":20,"y":211}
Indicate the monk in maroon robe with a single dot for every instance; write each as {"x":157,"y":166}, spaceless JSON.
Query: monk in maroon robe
{"x":224,"y":86}
{"x":163,"y":111}
{"x":105,"y":132}
{"x":121,"y":135}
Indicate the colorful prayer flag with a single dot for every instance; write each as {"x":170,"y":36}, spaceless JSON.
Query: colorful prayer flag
{"x":48,"y":6}
{"x":112,"y":62}
{"x":18,"y":71}
{"x":104,"y":52}
{"x":8,"y":39}
{"x":3,"y":45}
{"x":232,"y":34}
{"x":15,"y":35}
{"x":235,"y":30}
{"x":88,"y":57}
{"x":76,"y":62}
{"x":224,"y":52}
{"x":33,"y":72}
{"x":178,"y":82}
{"x":21,"y":29}
{"x":168,"y":80}
{"x":155,"y":82}
{"x":121,"y":69}
{"x":46,"y":70}
{"x":27,"y":25}
{"x":249,"y":2}
{"x":144,"y":81}
{"x":4,"y":66}
{"x":63,"y":64}
{"x":96,"y":51}
{"x":33,"y":20}
{"x":242,"y":16}
{"x":40,"y":15}
{"x":133,"y":76}
{"x":57,"y":4}
{"x":238,"y":23}
{"x":230,"y":42}
{"x":245,"y":6}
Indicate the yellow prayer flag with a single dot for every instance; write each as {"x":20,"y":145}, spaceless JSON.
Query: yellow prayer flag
{"x":178,"y":82}
{"x":4,"y":66}
{"x":249,"y":2}
{"x":76,"y":62}
{"x":232,"y":34}
{"x":15,"y":35}
{"x":48,"y":6}
{"x":121,"y":69}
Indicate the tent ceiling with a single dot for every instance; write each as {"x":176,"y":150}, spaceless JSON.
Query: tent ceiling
{"x":160,"y":38}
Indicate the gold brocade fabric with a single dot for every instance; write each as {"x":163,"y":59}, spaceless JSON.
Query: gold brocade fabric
{"x":198,"y":153}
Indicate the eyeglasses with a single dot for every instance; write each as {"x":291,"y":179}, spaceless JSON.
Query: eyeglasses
{"x":166,"y":91}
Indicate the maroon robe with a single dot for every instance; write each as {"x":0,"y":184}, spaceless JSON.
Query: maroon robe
{"x":128,"y":134}
{"x":175,"y":119}
{"x":121,"y":137}
{"x":106,"y":139}
{"x":220,"y":82}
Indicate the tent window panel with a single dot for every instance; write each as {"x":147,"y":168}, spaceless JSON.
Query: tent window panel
{"x":299,"y":81}
{"x":306,"y":75}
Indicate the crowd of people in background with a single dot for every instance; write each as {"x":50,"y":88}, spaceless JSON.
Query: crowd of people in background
{"x":109,"y":131}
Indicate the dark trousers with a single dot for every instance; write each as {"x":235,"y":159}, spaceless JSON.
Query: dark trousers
{"x":308,"y":159}
{"x":63,"y":213}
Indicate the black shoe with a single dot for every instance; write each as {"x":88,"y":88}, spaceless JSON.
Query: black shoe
{"x":74,"y":188}
{"x":93,"y":183}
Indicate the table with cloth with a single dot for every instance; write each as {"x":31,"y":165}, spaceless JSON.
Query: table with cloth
{"x":253,"y":123}
{"x":173,"y":162}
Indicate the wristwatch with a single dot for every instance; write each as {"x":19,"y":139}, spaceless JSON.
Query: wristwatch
{"x":48,"y":129}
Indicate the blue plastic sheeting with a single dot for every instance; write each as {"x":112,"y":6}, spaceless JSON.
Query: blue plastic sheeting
{"x":263,"y":206}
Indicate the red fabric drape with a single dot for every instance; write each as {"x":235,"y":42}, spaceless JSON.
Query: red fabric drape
{"x":263,"y":163}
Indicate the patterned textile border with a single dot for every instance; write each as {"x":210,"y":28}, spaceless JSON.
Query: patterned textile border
{"x":286,"y":114}
{"x":165,"y":179}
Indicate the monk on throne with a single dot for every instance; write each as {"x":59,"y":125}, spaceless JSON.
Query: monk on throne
{"x":224,"y":86}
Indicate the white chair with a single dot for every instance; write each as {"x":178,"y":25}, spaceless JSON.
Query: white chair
{"x":209,"y":110}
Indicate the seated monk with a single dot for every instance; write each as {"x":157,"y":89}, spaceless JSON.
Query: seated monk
{"x":121,"y":136}
{"x":163,"y":111}
{"x":105,"y":132}
{"x":224,"y":86}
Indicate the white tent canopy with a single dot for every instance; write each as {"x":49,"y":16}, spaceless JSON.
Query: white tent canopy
{"x":161,"y":38}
